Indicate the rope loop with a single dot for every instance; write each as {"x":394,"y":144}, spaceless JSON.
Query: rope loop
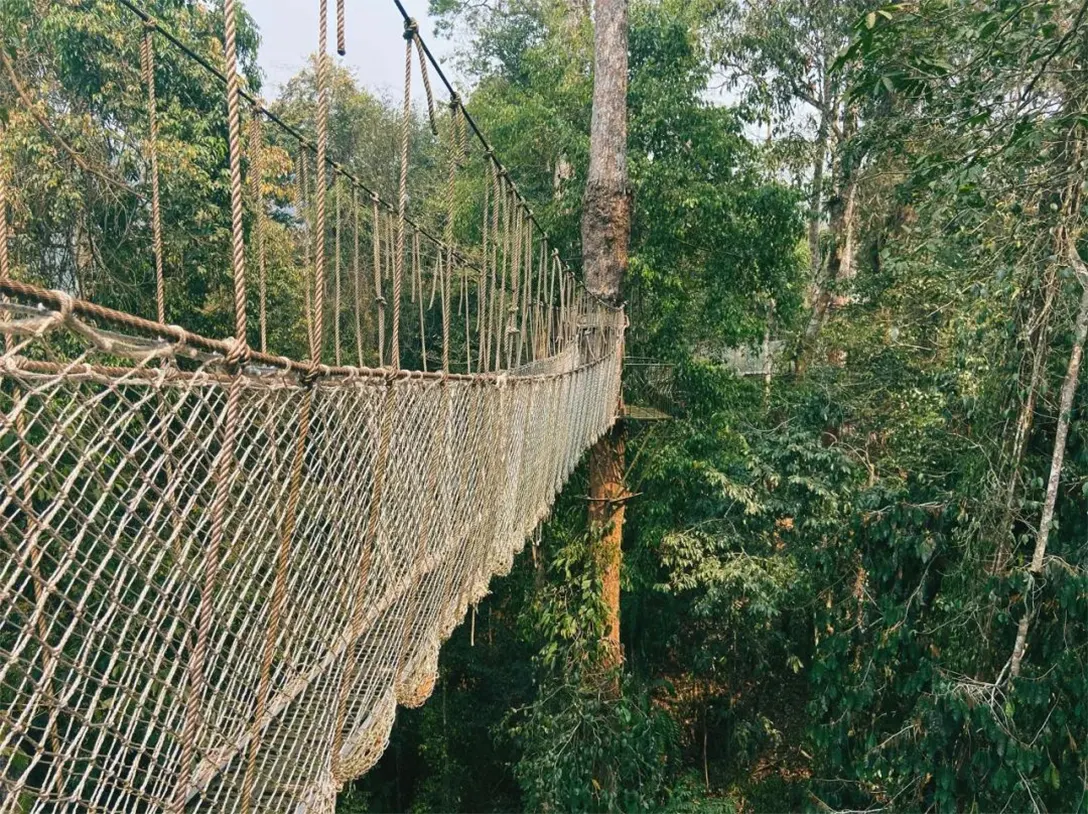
{"x":64,"y":314}
{"x":308,"y":375}
{"x":181,"y":341}
{"x":237,"y":353}
{"x":411,"y":29}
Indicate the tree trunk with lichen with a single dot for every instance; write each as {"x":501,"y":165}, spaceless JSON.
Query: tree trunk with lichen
{"x":606,"y":227}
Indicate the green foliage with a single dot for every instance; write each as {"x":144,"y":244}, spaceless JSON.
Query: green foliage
{"x":584,"y":751}
{"x":586,"y":746}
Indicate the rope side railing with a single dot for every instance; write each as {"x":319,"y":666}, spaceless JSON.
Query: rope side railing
{"x":231,"y":547}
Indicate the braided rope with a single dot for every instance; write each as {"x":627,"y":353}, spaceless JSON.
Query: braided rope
{"x":417,"y":285}
{"x":431,"y":118}
{"x":503,"y":253}
{"x":303,"y":206}
{"x":410,"y":31}
{"x":256,"y":170}
{"x":341,"y":48}
{"x":517,"y":253}
{"x":336,"y":283}
{"x":357,"y":274}
{"x":5,"y":257}
{"x":376,"y":233}
{"x":223,"y":468}
{"x":481,"y":287}
{"x":447,"y":234}
{"x":319,"y":181}
{"x":147,"y":67}
{"x":234,"y":150}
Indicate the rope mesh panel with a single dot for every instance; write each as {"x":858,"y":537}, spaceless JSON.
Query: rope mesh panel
{"x":106,"y":525}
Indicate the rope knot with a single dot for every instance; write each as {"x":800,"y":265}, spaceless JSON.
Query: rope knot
{"x":455,"y":101}
{"x":411,"y":29}
{"x":237,"y":353}
{"x":150,"y":23}
{"x":66,"y":302}
{"x":308,"y":376}
{"x":9,"y":364}
{"x":182,"y":340}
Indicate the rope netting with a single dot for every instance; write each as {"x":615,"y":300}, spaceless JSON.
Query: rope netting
{"x":231,"y":549}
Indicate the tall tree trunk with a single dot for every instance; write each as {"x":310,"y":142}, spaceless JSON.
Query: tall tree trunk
{"x":607,"y":497}
{"x":816,"y":197}
{"x":840,"y":261}
{"x":606,"y":227}
{"x":840,"y":264}
{"x":1065,"y":409}
{"x":606,"y":222}
{"x":1038,"y":348}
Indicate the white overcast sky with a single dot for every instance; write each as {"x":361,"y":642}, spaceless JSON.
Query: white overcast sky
{"x":375,"y":48}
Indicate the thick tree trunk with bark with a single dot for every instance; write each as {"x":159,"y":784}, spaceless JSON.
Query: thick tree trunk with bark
{"x":840,"y":261}
{"x":606,"y":221}
{"x":607,"y":497}
{"x":606,"y":228}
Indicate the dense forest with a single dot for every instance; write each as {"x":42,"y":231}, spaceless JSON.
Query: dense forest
{"x":855,"y":549}
{"x":856,"y":582}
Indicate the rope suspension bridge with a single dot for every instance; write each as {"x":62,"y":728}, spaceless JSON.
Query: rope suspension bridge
{"x":238,"y":521}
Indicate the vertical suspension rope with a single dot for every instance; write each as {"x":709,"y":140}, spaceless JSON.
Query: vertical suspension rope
{"x":5,"y":258}
{"x":379,"y":299}
{"x":410,"y":31}
{"x":224,"y":463}
{"x":417,"y":285}
{"x":256,"y":170}
{"x":147,"y":67}
{"x":336,"y":293}
{"x":341,"y":48}
{"x":447,"y":233}
{"x":426,"y":81}
{"x":526,"y":287}
{"x":319,"y":171}
{"x":550,"y":307}
{"x":357,"y":275}
{"x":465,"y":298}
{"x":492,"y":315}
{"x":234,"y":132}
{"x":502,"y":254}
{"x":303,"y":204}
{"x":516,"y":253}
{"x":481,"y":289}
